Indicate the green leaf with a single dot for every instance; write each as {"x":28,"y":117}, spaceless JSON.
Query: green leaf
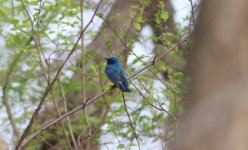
{"x":100,"y":15}
{"x":15,"y":21}
{"x":14,"y":29}
{"x":157,"y":20}
{"x":121,"y":146}
{"x":161,"y":4}
{"x":157,"y":117}
{"x":131,"y":144}
{"x":137,"y":26}
{"x":149,"y":100}
{"x":48,"y":2}
{"x":36,"y":14}
{"x":51,"y":32}
{"x":34,"y":3}
{"x":165,"y":15}
{"x":94,"y":69}
{"x":137,"y":59}
{"x":25,"y":24}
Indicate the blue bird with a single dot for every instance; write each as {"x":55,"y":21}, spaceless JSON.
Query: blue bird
{"x":116,"y":73}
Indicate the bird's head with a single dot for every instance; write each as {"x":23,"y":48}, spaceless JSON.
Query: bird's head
{"x":112,"y":60}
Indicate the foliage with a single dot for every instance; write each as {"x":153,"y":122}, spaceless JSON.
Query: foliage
{"x":42,"y":33}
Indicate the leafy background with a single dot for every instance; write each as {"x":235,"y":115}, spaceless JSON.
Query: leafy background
{"x":37,"y":36}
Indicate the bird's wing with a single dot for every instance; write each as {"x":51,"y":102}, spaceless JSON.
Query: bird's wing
{"x":123,"y":82}
{"x":123,"y":75}
{"x":118,"y":76}
{"x":114,"y":75}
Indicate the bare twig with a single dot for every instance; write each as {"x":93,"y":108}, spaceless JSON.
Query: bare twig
{"x":67,"y":118}
{"x":161,"y":108}
{"x":130,"y":122}
{"x":47,"y":143}
{"x":84,"y":70}
{"x":35,"y":36}
{"x":130,"y":26}
{"x":192,"y":12}
{"x":11,"y":67}
{"x":62,"y":122}
{"x":98,"y":128}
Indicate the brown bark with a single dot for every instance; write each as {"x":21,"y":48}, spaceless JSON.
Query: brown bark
{"x":216,"y":117}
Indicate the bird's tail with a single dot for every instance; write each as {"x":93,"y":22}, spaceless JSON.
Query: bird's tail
{"x":124,"y":87}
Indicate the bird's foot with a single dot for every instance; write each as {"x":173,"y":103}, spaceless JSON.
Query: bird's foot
{"x":113,"y":86}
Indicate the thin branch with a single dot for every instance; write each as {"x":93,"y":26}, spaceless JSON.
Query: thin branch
{"x":192,"y":12}
{"x":62,"y":122}
{"x":98,"y":128}
{"x":35,"y":36}
{"x":67,"y":118}
{"x":84,"y":69}
{"x":130,"y":26}
{"x":11,"y":67}
{"x":161,"y":108}
{"x":50,"y":86}
{"x":47,"y":143}
{"x":129,"y":118}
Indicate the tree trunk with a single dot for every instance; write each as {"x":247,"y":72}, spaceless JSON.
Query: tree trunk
{"x":216,"y":115}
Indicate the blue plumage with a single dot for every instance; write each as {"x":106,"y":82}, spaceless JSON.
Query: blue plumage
{"x":116,"y":73}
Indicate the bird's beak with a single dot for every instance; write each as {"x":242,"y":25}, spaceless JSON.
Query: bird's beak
{"x":106,"y":58}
